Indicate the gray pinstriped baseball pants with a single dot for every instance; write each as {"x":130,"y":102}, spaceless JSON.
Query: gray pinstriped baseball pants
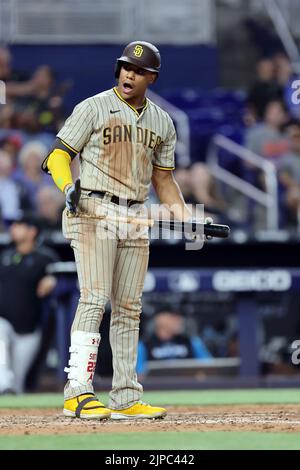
{"x":113,"y":266}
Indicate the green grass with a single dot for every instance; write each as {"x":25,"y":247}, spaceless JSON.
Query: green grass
{"x":156,"y":441}
{"x":201,"y":397}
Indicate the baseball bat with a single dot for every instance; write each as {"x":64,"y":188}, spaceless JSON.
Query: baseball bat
{"x":209,"y":230}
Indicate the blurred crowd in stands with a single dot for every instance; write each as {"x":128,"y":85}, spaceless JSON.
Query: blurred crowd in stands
{"x":265,"y":121}
{"x":31,"y":116}
{"x":274,"y":133}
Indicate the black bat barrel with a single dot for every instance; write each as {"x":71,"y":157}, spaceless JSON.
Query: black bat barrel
{"x":211,"y":230}
{"x":216,"y":230}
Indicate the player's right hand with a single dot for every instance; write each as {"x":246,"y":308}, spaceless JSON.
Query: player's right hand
{"x":72,"y":196}
{"x":196,"y":237}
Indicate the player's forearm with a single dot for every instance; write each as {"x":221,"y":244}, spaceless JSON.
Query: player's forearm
{"x":171,"y":196}
{"x":59,"y":166}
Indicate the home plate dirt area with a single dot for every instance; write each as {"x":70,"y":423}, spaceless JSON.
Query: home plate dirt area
{"x":272,"y":418}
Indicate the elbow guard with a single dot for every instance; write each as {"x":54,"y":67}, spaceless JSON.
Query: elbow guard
{"x":64,"y":148}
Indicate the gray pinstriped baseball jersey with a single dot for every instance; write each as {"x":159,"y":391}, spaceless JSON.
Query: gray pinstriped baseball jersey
{"x":119,"y":146}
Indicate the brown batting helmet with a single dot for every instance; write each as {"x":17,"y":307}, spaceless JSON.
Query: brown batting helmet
{"x":142,"y":54}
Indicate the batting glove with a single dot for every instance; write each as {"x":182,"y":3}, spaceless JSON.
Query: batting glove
{"x":73,"y":196}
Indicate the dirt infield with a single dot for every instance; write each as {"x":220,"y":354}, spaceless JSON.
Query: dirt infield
{"x":272,"y":418}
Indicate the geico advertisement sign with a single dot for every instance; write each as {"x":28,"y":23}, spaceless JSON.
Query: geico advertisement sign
{"x":257,"y":280}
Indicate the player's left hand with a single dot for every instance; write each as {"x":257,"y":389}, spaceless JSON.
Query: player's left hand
{"x":73,"y":196}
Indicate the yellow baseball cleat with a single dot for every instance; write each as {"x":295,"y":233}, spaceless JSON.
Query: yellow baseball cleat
{"x":139,"y":411}
{"x":86,"y":406}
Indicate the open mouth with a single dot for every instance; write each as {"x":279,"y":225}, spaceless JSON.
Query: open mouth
{"x":127,"y":87}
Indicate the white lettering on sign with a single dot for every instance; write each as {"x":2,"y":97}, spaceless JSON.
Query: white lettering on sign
{"x":278,"y":280}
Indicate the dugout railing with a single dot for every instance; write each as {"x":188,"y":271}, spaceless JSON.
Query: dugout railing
{"x":268,"y":198}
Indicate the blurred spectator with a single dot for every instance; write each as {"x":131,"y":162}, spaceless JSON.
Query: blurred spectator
{"x":32,"y":104}
{"x":39,"y":106}
{"x":205,"y":189}
{"x":6,"y":111}
{"x":7,"y":74}
{"x":12,"y":143}
{"x":169,"y":341}
{"x":216,"y":338}
{"x":264,"y":89}
{"x":9,"y":194}
{"x":5,"y":64}
{"x":23,"y":285}
{"x":30,"y":175}
{"x":50,"y":204}
{"x":289,"y":176}
{"x":267,"y":139}
{"x":183,"y":177}
{"x":6,"y":116}
{"x":199,"y":187}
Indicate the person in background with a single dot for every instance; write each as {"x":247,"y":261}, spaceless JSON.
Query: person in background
{"x":50,"y":204}
{"x":9,"y":194}
{"x":267,"y":139}
{"x":29,"y":174}
{"x":5,"y":64}
{"x":6,"y":116}
{"x":198,"y":186}
{"x":289,"y":177}
{"x":12,"y":143}
{"x":7,"y":73}
{"x":169,"y":341}
{"x":39,"y":108}
{"x":24,"y":283}
{"x":264,"y":89}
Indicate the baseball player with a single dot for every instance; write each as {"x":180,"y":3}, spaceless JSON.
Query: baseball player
{"x":125,"y":142}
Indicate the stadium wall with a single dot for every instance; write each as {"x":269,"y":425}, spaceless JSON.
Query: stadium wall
{"x":91,"y":67}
